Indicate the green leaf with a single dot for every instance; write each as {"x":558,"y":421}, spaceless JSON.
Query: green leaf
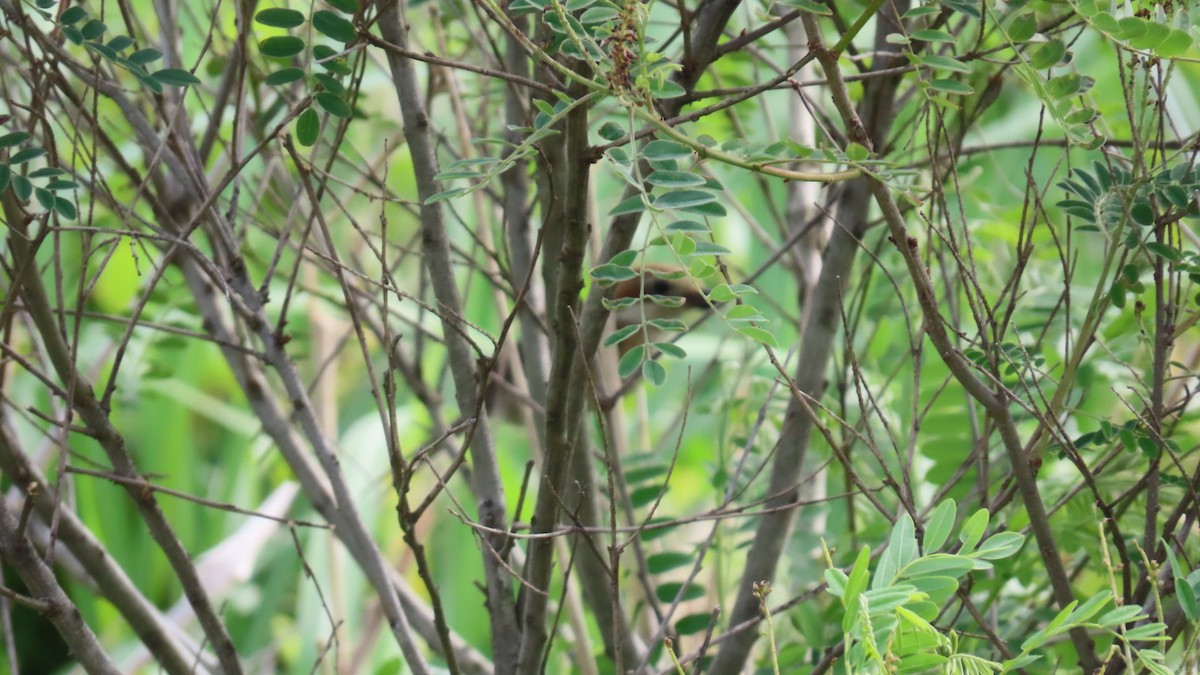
{"x":1090,"y":608}
{"x":609,"y":273}
{"x":308,"y":126}
{"x":625,"y":258}
{"x":611,"y":131}
{"x":666,"y":89}
{"x":22,"y":156}
{"x":73,"y":15}
{"x":1148,"y":631}
{"x":931,"y":35}
{"x":1064,"y":86}
{"x":1142,"y":213}
{"x":693,"y":623}
{"x":857,"y":153}
{"x":72,"y":33}
{"x":920,"y":11}
{"x":645,"y":495}
{"x":93,"y":29}
{"x":940,"y":523}
{"x":684,"y":198}
{"x":334,"y":26}
{"x":175,"y":77}
{"x":445,"y":194}
{"x":921,"y":662}
{"x":328,"y":58}
{"x":711,"y":210}
{"x":886,"y":600}
{"x":836,"y":580}
{"x":673,"y":301}
{"x":346,"y":6}
{"x":670,"y":349}
{"x":972,"y":531}
{"x":938,"y":588}
{"x":809,"y":7}
{"x":667,"y":592}
{"x":721,"y":293}
{"x":632,"y":205}
{"x":621,"y":334}
{"x":901,"y":550}
{"x":658,"y":150}
{"x":1047,"y":55}
{"x":46,"y":172}
{"x":1116,"y":295}
{"x":144,"y":56}
{"x":284,"y":76}
{"x":595,"y":15}
{"x":1061,"y":618}
{"x":686,"y":226}
{"x":1165,"y":251}
{"x":1179,"y":197}
{"x":1012,"y":665}
{"x":952,"y":87}
{"x":329,"y":83}
{"x":333,"y":104}
{"x":44,"y":197}
{"x":617,"y":304}
{"x":668,"y":325}
{"x":1154,"y":35}
{"x":665,"y":562}
{"x":1001,"y":545}
{"x":631,"y":361}
{"x":1121,"y":615}
{"x":1131,"y":27}
{"x":1022,"y":27}
{"x":1082,"y":116}
{"x":641,"y":474}
{"x":1183,"y":590}
{"x":759,"y":335}
{"x":856,"y":583}
{"x":279,"y":17}
{"x":120,"y":43}
{"x":674,"y":179}
{"x":281,"y":46}
{"x":710,"y":248}
{"x":13,"y":138}
{"x":938,"y":62}
{"x":1177,"y":42}
{"x":61,"y":185}
{"x":102,"y":50}
{"x":22,"y":188}
{"x":65,"y":208}
{"x":744,"y":313}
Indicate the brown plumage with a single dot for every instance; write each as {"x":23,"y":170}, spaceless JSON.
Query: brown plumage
{"x":502,"y":397}
{"x":664,"y":281}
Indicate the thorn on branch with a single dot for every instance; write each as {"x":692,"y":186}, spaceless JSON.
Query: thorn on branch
{"x":27,"y":508}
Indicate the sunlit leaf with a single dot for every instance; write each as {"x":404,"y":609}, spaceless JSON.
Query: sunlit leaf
{"x":281,"y":46}
{"x":308,"y":126}
{"x":334,"y":26}
{"x":279,"y":17}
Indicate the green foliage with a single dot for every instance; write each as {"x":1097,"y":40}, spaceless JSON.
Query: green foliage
{"x":41,"y":185}
{"x":325,"y":89}
{"x":1040,"y":158}
{"x":888,"y":626}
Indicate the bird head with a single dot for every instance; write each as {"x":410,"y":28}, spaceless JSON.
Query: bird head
{"x":667,"y":292}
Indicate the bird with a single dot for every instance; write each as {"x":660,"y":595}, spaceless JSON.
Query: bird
{"x":666,"y":292}
{"x":655,"y":292}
